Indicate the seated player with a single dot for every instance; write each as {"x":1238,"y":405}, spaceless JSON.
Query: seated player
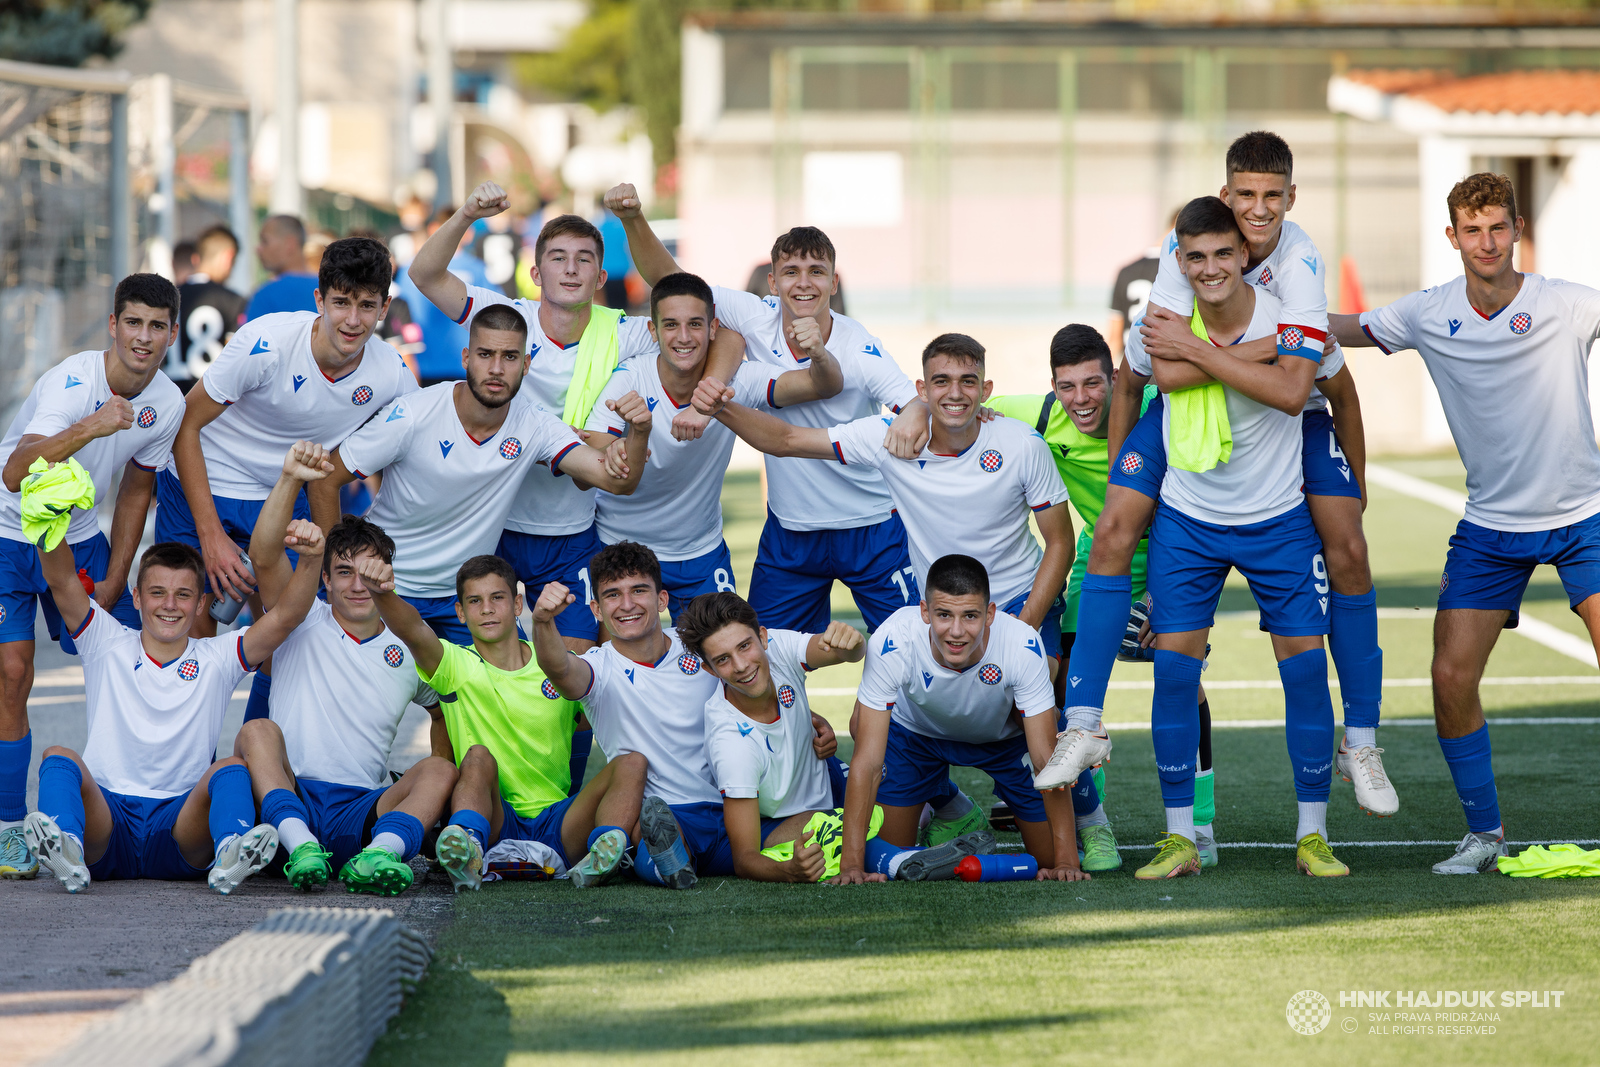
{"x":510,"y":734}
{"x":769,"y":751}
{"x":320,"y":763}
{"x":146,"y":799}
{"x":645,"y":693}
{"x":940,"y":688}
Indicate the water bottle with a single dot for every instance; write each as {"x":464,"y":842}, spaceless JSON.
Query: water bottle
{"x":1019,"y":868}
{"x":225,"y":608}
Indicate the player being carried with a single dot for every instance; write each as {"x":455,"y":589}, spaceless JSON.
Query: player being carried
{"x":114,"y":411}
{"x":320,"y":763}
{"x":1509,"y":354}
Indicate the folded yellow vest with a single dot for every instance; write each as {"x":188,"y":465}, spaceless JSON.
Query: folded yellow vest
{"x":1199,"y":435}
{"x":1557,"y":861}
{"x":48,"y":496}
{"x":597,"y":358}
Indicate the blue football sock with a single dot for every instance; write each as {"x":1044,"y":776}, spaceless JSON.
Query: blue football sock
{"x":948,"y":792}
{"x":1085,"y":797}
{"x":594,"y":835}
{"x":582,"y":742}
{"x":61,"y":794}
{"x":881,"y":855}
{"x":1102,"y":620}
{"x":1353,"y":641}
{"x":405,"y":827}
{"x":473,"y":823}
{"x":645,"y":867}
{"x":1471,"y":767}
{"x":1308,"y":723}
{"x":281,"y":804}
{"x":257,"y":707}
{"x":838,"y":778}
{"x":1175,"y":725}
{"x":14,"y":759}
{"x":233,"y":808}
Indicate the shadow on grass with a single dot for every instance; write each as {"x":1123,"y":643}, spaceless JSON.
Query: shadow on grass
{"x":451,"y":1010}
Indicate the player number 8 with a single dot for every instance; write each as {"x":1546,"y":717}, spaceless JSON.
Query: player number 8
{"x":1319,"y":571}
{"x":724,"y":581}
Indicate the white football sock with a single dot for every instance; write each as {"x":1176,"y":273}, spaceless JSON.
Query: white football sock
{"x":393,"y":842}
{"x":1085,"y":717}
{"x":1313,"y":819}
{"x":1360,"y":737}
{"x":1097,"y":817}
{"x":293,"y":832}
{"x":1180,"y":821}
{"x":958,"y":806}
{"x":898,"y":858}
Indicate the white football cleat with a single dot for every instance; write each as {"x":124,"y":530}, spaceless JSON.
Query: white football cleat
{"x":1206,"y":844}
{"x":60,"y":854}
{"x":1477,"y":854}
{"x":1363,"y":768}
{"x":241,"y":855}
{"x":1076,"y":751}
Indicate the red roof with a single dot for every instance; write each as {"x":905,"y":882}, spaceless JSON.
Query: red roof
{"x":1564,"y":92}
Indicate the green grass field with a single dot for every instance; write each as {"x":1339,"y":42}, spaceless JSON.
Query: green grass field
{"x":1109,"y":971}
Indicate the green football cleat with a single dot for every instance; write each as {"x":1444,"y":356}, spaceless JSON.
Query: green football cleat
{"x":602,"y":862}
{"x":941,"y":830}
{"x":458,"y":853}
{"x":1176,"y":858}
{"x":307,"y":866}
{"x":16,"y":858}
{"x":1315,"y":858}
{"x":376,"y":870}
{"x":1099,"y":849}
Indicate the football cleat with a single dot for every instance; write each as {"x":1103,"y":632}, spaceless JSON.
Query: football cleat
{"x":376,"y":870}
{"x":1476,"y":854}
{"x":1206,"y":845}
{"x":60,"y":854}
{"x":602,"y":862}
{"x":16,"y":858}
{"x":938,"y":864}
{"x":458,"y":853}
{"x":938,"y":831}
{"x":1099,"y":846}
{"x":241,"y":855}
{"x":1176,"y":858}
{"x":1363,"y":768}
{"x":1314,"y":857}
{"x":1076,"y":751}
{"x":1002,"y":820}
{"x":659,"y":833}
{"x":307,"y":866}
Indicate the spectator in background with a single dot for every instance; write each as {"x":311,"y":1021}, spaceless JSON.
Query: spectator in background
{"x":442,"y":339}
{"x":210,"y":311}
{"x":282,"y":251}
{"x":398,"y":327}
{"x":1130,"y":293}
{"x":182,"y":261}
{"x":616,"y":262}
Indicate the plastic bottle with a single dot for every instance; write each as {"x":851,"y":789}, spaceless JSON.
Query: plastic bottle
{"x":225,"y":608}
{"x":1018,"y":868}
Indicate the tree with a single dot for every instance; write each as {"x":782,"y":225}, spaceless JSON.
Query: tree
{"x":65,"y":32}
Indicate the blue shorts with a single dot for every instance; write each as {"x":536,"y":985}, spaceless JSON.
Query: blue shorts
{"x":792,"y":583}
{"x":539,"y":561}
{"x":175,"y":522}
{"x":705,"y":836}
{"x":1326,"y":471}
{"x":1050,"y":629}
{"x":838,"y":778}
{"x":1280,"y":557}
{"x":1142,"y":464}
{"x":1488,"y":570}
{"x":142,"y":845}
{"x":686,"y":579}
{"x":439,"y":612}
{"x":22,"y":585}
{"x":342,"y":816}
{"x":544,"y":827}
{"x":916,"y":769}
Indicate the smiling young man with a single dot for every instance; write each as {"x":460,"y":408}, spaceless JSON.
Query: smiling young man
{"x":116,"y":412}
{"x":454,"y":457}
{"x":677,"y":509}
{"x":1533,"y":470}
{"x":320,"y":764}
{"x":287,"y":377}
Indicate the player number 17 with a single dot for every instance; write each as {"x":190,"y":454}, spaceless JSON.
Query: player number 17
{"x":899,"y":579}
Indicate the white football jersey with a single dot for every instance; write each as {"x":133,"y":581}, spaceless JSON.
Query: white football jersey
{"x":277,"y":395}
{"x":975,"y":503}
{"x":153,"y":727}
{"x":73,"y":390}
{"x":1294,"y":273}
{"x":903,"y":678}
{"x":1265,"y":474}
{"x":775,"y":761}
{"x":445,"y":496}
{"x":677,"y":507}
{"x":339,"y":701}
{"x":1515,"y":390}
{"x":659,"y":711}
{"x":803,"y":495}
{"x":547,"y":505}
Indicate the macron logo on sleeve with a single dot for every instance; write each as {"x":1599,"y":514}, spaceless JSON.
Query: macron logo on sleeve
{"x":397,"y":413}
{"x":261,"y":346}
{"x":872,"y":350}
{"x":71,"y":381}
{"x":888,"y":646}
{"x":445,"y":447}
{"x":1311,"y":261}
{"x":745,"y":731}
{"x":1033,"y":646}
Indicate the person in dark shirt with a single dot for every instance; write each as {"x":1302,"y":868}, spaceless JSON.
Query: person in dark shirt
{"x":210,"y":311}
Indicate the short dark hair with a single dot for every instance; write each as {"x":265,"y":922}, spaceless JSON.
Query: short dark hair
{"x":151,"y":290}
{"x":1077,"y":344}
{"x":956,"y":575}
{"x":1260,"y":152}
{"x":174,"y":555}
{"x":622,"y":559}
{"x":568,"y":225}
{"x":1206,"y":215}
{"x":185,"y":252}
{"x":289,"y":224}
{"x":355,"y":265}
{"x":804,"y":241}
{"x":710,"y":612}
{"x":499,"y":317}
{"x":482,"y":567}
{"x":350,"y":535}
{"x":681,"y":284}
{"x":213,"y":236}
{"x":958,"y":345}
{"x":1475,"y":192}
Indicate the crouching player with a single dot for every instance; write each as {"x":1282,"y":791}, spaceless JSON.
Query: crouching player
{"x":771,"y":756}
{"x":939,"y":690}
{"x":510,"y":733}
{"x":320,"y":763}
{"x":146,"y":800}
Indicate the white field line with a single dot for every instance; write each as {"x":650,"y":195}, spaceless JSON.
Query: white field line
{"x":1009,"y":847}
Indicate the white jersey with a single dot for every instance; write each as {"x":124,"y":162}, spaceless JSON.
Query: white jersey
{"x":546,"y":505}
{"x":1294,"y":274}
{"x":903,"y":678}
{"x":71,"y":391}
{"x":277,"y":395}
{"x":677,"y":507}
{"x":975,"y":503}
{"x":1515,"y":389}
{"x":153,"y":727}
{"x":339,"y":701}
{"x":445,"y":496}
{"x":803,"y":495}
{"x":1265,"y":474}
{"x":659,"y":711}
{"x":771,"y":761}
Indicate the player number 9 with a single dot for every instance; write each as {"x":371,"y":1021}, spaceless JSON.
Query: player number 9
{"x":1319,"y":572}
